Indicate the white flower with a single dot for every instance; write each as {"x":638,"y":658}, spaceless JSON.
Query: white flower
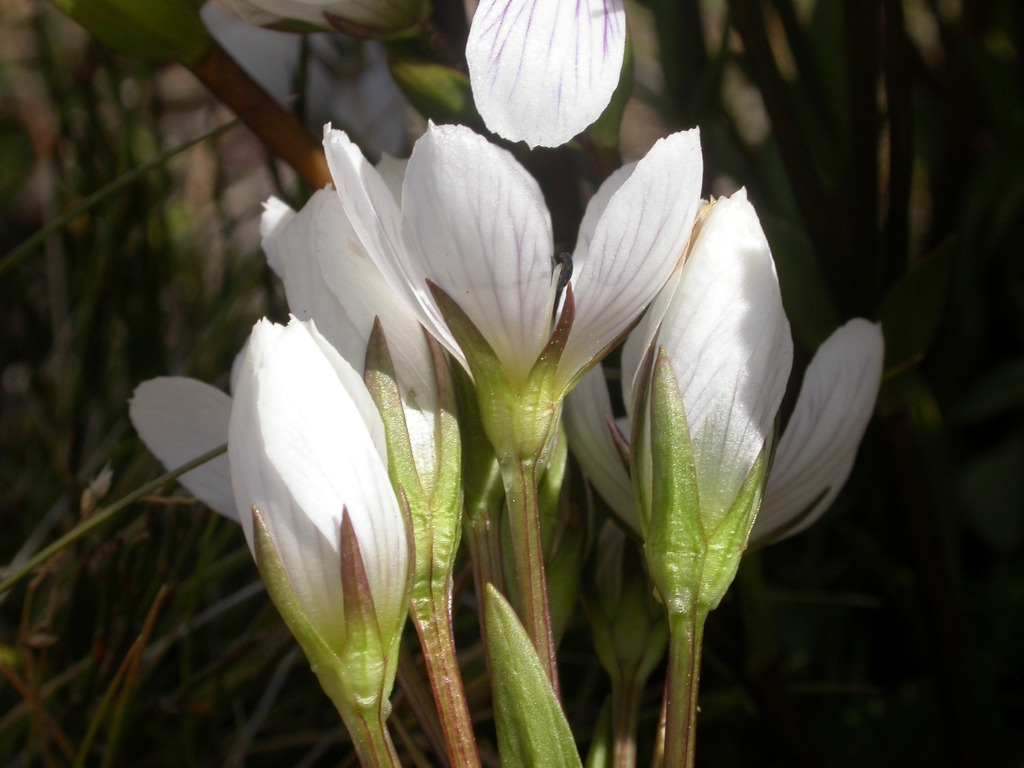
{"x":814,"y":456}
{"x":819,"y":444}
{"x":392,"y":15}
{"x":473,"y":222}
{"x":306,"y":447}
{"x":724,"y":331}
{"x":543,"y":70}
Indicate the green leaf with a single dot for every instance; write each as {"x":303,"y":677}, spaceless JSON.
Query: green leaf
{"x":532,"y":729}
{"x":146,"y":29}
{"x":911,"y":310}
{"x":809,"y":305}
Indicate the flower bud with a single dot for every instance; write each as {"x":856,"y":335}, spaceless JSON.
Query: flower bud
{"x":708,"y":394}
{"x":629,"y":626}
{"x":309,"y":472}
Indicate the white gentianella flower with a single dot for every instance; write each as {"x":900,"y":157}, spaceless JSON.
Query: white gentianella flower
{"x":377,"y":15}
{"x":180,"y":419}
{"x":309,"y":472}
{"x":329,"y":277}
{"x":543,"y":70}
{"x":707,"y":396}
{"x":819,"y":445}
{"x":725,"y":333}
{"x":814,"y":456}
{"x":306,"y":446}
{"x":473,"y":222}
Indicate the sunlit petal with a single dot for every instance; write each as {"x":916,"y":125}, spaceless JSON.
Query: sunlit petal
{"x":727,"y":337}
{"x":637,"y":244}
{"x":475,"y":224}
{"x":543,"y":70}
{"x":300,"y":451}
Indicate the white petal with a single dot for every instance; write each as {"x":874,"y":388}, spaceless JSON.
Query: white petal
{"x":637,"y":244}
{"x":587,"y":410}
{"x":543,"y":70}
{"x":820,"y":443}
{"x":728,"y":339}
{"x":180,"y":419}
{"x":475,"y":223}
{"x":300,"y":452}
{"x":595,"y":209}
{"x":376,"y":219}
{"x":329,"y":277}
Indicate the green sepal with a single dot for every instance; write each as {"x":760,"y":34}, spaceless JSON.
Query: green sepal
{"x":728,"y":541}
{"x":674,"y":539}
{"x":437,"y":92}
{"x":146,"y":29}
{"x":549,"y":488}
{"x":604,"y":132}
{"x":323,"y":654}
{"x":692,"y":555}
{"x":355,"y":671}
{"x":362,"y":703}
{"x":519,"y":418}
{"x":365,"y":653}
{"x":434,"y":502}
{"x":481,"y":475}
{"x":532,"y":729}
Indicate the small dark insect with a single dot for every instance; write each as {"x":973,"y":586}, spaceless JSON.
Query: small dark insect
{"x":565,"y":259}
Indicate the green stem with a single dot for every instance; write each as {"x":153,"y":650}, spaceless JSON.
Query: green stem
{"x":625,"y":713}
{"x":687,"y":635}
{"x":433,"y":620}
{"x":369,"y":732}
{"x":520,"y":478}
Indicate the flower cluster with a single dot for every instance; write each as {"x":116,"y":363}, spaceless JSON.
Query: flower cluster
{"x":441,"y":355}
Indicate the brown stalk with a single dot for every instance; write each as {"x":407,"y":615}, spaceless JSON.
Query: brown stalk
{"x":277,"y":128}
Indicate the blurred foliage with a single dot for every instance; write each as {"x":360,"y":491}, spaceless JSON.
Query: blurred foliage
{"x":882,"y":143}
